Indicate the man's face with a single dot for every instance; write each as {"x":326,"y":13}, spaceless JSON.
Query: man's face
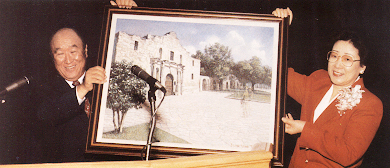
{"x":69,"y":54}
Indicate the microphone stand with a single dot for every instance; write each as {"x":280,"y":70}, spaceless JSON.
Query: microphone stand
{"x":152,"y":101}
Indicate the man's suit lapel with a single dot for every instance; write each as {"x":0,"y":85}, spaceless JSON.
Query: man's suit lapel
{"x":61,"y":84}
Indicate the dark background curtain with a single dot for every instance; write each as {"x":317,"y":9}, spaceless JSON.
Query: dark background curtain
{"x":26,"y":27}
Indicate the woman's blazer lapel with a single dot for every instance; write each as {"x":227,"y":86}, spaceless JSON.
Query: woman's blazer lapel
{"x":317,"y":93}
{"x":329,"y":114}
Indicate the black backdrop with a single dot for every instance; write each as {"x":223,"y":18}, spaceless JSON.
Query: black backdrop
{"x":26,"y":26}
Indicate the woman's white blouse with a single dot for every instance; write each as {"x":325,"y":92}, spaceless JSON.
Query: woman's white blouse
{"x":325,"y":102}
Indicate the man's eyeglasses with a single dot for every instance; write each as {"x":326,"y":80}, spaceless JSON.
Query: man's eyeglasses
{"x":346,"y":60}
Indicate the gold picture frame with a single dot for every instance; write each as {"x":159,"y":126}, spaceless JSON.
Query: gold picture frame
{"x":173,"y":47}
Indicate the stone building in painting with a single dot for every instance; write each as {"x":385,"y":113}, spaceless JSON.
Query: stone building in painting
{"x":163,"y":57}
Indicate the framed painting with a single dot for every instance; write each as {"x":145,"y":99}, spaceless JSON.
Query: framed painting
{"x":221,"y":77}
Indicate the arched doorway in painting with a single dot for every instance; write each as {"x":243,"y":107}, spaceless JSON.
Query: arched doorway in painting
{"x":169,"y":85}
{"x":204,"y":85}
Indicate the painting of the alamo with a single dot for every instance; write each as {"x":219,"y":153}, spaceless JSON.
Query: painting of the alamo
{"x":164,"y":58}
{"x":198,"y":111}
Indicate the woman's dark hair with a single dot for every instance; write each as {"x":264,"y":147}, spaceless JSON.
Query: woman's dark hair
{"x":356,"y":41}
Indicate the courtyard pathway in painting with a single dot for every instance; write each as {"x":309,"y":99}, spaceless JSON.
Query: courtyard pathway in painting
{"x":207,"y":119}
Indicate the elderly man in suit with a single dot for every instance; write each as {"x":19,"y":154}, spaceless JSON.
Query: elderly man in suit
{"x":65,"y":107}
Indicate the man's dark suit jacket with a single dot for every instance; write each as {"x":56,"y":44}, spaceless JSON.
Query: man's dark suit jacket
{"x":64,"y":122}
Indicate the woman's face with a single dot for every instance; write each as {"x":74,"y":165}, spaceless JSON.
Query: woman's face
{"x":340,"y":75}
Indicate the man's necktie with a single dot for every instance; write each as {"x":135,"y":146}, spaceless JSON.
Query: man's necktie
{"x":76,"y":83}
{"x":87,"y":107}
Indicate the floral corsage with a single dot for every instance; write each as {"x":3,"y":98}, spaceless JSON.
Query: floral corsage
{"x":348,"y":98}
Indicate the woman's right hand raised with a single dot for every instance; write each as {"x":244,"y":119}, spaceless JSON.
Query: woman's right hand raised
{"x":282,"y":13}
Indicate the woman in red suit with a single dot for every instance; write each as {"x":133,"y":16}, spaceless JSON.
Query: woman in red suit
{"x":339,"y":116}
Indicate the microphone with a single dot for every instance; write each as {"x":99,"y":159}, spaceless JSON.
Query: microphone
{"x":19,"y":83}
{"x":136,"y":70}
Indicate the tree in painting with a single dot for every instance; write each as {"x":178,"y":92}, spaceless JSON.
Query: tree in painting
{"x":252,"y":71}
{"x":125,"y":91}
{"x":216,"y":61}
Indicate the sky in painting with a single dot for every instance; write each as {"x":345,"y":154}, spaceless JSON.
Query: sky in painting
{"x":244,"y":39}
